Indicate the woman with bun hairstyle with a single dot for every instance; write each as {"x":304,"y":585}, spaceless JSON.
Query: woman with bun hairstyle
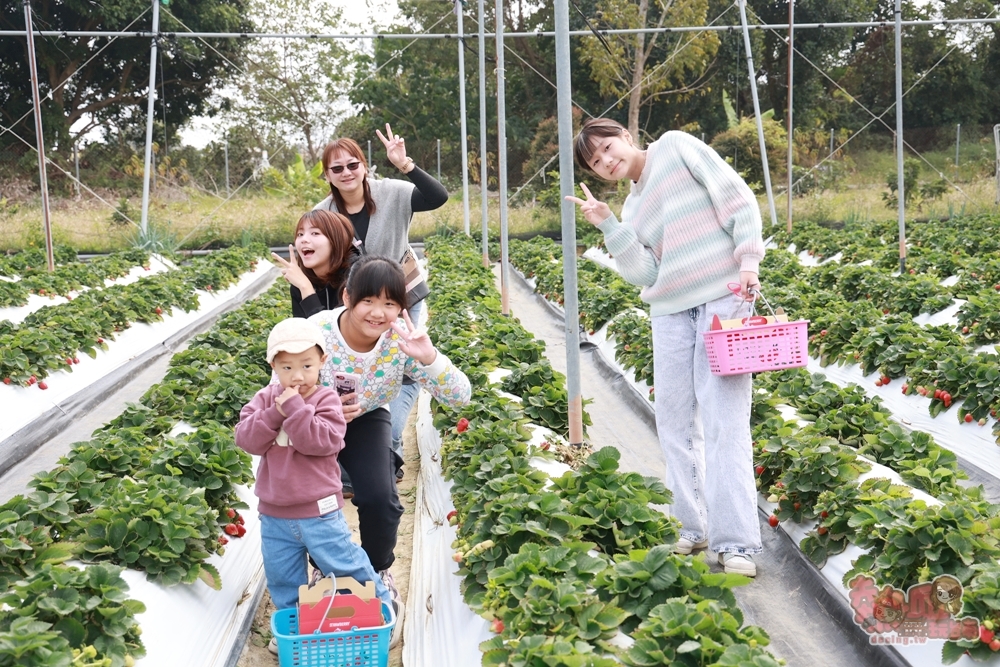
{"x":318,"y":261}
{"x":690,"y":228}
{"x":381,"y":211}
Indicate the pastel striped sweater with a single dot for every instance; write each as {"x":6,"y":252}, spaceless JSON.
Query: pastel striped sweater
{"x":690,"y":226}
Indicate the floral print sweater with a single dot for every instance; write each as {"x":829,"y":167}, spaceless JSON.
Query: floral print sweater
{"x":381,"y":370}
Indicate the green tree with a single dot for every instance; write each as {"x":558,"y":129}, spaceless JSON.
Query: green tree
{"x":644,"y":68}
{"x":293,"y":88}
{"x":102,"y":82}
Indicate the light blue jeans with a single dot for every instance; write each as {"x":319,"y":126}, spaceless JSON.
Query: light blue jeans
{"x":703,"y":423}
{"x":285,"y":542}
{"x":401,"y":406}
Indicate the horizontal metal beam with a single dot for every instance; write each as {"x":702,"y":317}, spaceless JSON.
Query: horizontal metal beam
{"x":541,"y":33}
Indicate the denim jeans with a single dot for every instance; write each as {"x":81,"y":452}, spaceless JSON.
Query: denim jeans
{"x":284,"y":543}
{"x":703,"y":424}
{"x":399,"y":407}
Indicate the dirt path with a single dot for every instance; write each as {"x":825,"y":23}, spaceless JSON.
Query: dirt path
{"x":255,"y":653}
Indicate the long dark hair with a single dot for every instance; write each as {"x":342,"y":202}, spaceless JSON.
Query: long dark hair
{"x":374,"y":275}
{"x":351,"y":147}
{"x":594,"y":128}
{"x":339,"y":230}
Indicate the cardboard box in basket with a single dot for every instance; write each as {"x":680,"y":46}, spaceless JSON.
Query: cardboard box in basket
{"x":321,"y":608}
{"x":779,"y":317}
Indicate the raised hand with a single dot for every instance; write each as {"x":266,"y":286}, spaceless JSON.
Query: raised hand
{"x":394,"y":148}
{"x":285,"y":395}
{"x":595,"y":212}
{"x":292,"y":271}
{"x":415,"y":342}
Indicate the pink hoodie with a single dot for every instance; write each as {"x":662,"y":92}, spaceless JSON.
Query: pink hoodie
{"x":298,"y":465}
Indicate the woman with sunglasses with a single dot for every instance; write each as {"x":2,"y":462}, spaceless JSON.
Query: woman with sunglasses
{"x":381,"y":211}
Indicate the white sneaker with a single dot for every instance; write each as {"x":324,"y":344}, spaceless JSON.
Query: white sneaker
{"x":735,"y":563}
{"x":272,"y":645}
{"x":685,"y":546}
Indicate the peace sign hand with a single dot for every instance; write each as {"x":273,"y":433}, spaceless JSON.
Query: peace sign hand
{"x":292,"y":271}
{"x":394,"y":148}
{"x":415,"y":342}
{"x":595,"y":212}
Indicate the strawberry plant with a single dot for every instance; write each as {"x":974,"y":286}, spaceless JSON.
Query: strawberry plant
{"x":546,"y":589}
{"x":681,"y":632}
{"x":980,"y":601}
{"x":633,"y":336}
{"x":543,"y":650}
{"x":641,"y":580}
{"x":618,"y":503}
{"x":25,"y":545}
{"x":86,"y":607}
{"x":154,"y":524}
{"x":980,"y":316}
{"x":813,"y":465}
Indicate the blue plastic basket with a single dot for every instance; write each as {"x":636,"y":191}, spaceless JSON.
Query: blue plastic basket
{"x":363,"y":647}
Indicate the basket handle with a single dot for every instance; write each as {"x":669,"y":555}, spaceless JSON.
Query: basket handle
{"x":736,"y":288}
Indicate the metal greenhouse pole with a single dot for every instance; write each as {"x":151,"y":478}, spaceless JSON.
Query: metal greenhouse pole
{"x":43,"y":181}
{"x":483,"y":167}
{"x":791,"y":57}
{"x":502,"y":153}
{"x":149,"y":117}
{"x":756,"y":112}
{"x":461,"y":104}
{"x":996,"y":142}
{"x":901,"y":206}
{"x":568,"y":216}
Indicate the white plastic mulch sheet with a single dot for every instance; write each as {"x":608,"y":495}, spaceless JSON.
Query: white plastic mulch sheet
{"x":440,"y":629}
{"x":22,"y":405}
{"x":16,"y":314}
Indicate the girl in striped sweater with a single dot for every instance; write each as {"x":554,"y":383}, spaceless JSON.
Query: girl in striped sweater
{"x":690,"y":226}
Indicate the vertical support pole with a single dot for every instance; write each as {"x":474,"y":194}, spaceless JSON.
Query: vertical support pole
{"x":568,"y":216}
{"x":831,"y":143}
{"x":502,"y":156}
{"x":483,"y":166}
{"x":756,"y":112}
{"x":43,"y":181}
{"x":459,"y":8}
{"x":791,"y":60}
{"x":996,"y":143}
{"x":146,"y":172}
{"x":369,"y":154}
{"x":225,"y":152}
{"x":958,"y":144}
{"x":76,"y":168}
{"x":439,"y":158}
{"x":901,"y":209}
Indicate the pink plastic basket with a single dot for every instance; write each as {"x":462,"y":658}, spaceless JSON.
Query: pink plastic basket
{"x":757,"y":348}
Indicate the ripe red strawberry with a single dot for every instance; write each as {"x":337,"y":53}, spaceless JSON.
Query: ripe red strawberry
{"x":545,"y":445}
{"x":69,"y":361}
{"x":6,"y":380}
{"x":231,"y":529}
{"x":239,"y":518}
{"x":995,"y":645}
{"x":773,"y":521}
{"x":42,"y":385}
{"x":965,"y":330}
{"x":240,"y":530}
{"x":32,"y":380}
{"x":159,"y":311}
{"x":230,"y":512}
{"x":797,"y":506}
{"x":822,"y":530}
{"x":223,"y":540}
{"x":759,"y":470}
{"x":968,"y":417}
{"x":76,"y":360}
{"x":100,"y":341}
{"x":906,"y":388}
{"x":497,"y":626}
{"x":885,"y":311}
{"x":985,"y":634}
{"x":878,"y":382}
{"x":823,"y":332}
{"x":997,"y":288}
{"x":451,"y":514}
{"x":824,"y":514}
{"x":463,"y":425}
{"x":886,"y":379}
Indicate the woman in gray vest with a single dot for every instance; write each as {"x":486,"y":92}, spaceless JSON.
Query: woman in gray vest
{"x":381,"y":211}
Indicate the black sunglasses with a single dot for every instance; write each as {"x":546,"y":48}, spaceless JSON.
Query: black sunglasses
{"x":353,"y":166}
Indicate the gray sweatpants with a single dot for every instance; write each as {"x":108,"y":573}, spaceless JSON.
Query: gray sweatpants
{"x":703,"y":423}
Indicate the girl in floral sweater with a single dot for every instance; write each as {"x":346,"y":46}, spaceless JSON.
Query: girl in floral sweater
{"x":369,"y":343}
